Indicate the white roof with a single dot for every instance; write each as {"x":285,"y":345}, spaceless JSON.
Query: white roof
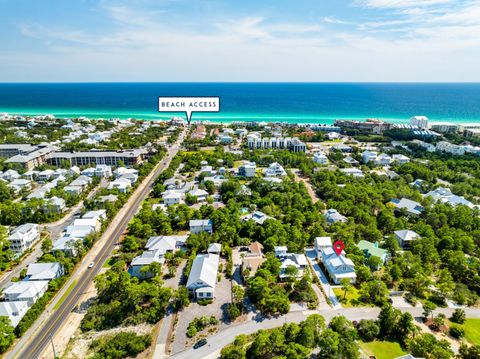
{"x":92,"y":222}
{"x":146,"y":258}
{"x":407,"y":235}
{"x":26,"y":289}
{"x":98,"y":214}
{"x":200,"y":222}
{"x":204,"y":269}
{"x":14,"y":311}
{"x":21,"y":230}
{"x":43,"y":271}
{"x":163,"y":243}
{"x":214,"y":247}
{"x":323,"y":241}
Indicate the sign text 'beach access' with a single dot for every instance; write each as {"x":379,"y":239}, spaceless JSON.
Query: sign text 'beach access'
{"x":189,"y":105}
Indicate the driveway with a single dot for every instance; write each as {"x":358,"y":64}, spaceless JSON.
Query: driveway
{"x":327,"y":288}
{"x":194,"y":310}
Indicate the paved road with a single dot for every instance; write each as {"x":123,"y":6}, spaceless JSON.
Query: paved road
{"x":37,"y":340}
{"x":218,"y":341}
{"x":54,"y":228}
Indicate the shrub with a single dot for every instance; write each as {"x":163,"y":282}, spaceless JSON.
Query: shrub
{"x":121,"y":345}
{"x":458,"y":316}
{"x":368,"y":329}
{"x":456,"y":331}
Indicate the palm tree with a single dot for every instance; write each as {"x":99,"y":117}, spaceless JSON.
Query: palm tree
{"x":346,"y":286}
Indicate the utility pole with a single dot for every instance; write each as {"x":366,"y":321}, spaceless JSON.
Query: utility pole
{"x":53,"y":347}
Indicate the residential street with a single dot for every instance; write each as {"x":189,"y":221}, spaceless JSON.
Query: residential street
{"x":217,"y":341}
{"x":54,"y":228}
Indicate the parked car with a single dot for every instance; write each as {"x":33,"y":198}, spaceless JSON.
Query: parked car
{"x":200,"y":343}
{"x":91,"y":265}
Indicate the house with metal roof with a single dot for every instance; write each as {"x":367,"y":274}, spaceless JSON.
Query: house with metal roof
{"x":411,"y":207}
{"x":23,"y":237}
{"x":371,"y":249}
{"x":29,"y":291}
{"x":14,"y":311}
{"x":44,"y":271}
{"x":406,"y":237}
{"x":332,"y":216}
{"x":201,"y":225}
{"x":203,"y":276}
{"x":338,"y":266}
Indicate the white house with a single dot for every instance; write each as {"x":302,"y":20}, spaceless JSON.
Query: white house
{"x":44,"y":271}
{"x":120,"y":171}
{"x":14,"y":311}
{"x":201,"y":225}
{"x":73,"y":189}
{"x":411,"y":207}
{"x":405,"y":237}
{"x":369,"y":156}
{"x":214,"y":248}
{"x":247,"y":170}
{"x":419,"y":121}
{"x":256,"y":216}
{"x":444,"y":195}
{"x":338,"y":266}
{"x":172,"y":197}
{"x":166,"y":244}
{"x":54,"y":205}
{"x":355,"y":172}
{"x":332,"y":216}
{"x":10,"y":175}
{"x":400,"y":159}
{"x":143,"y":260}
{"x":66,"y":244}
{"x":299,"y":261}
{"x":274,"y":170}
{"x":322,"y":243}
{"x":203,"y":276}
{"x":122,"y":184}
{"x":280,"y":251}
{"x":320,"y":158}
{"x":99,"y":214}
{"x":29,"y":291}
{"x":23,"y":237}
{"x":200,"y":194}
{"x":104,"y":171}
{"x":45,"y":175}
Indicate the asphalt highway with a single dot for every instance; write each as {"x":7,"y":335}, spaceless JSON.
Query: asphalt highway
{"x":41,"y":338}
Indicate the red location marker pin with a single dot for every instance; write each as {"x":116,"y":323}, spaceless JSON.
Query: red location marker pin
{"x":338,"y":247}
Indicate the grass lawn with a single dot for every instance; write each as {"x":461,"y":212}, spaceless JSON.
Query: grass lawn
{"x":472,"y":330}
{"x":351,"y":299}
{"x":382,"y":349}
{"x":65,"y":295}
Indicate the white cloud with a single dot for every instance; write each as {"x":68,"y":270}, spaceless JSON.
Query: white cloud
{"x":399,"y":4}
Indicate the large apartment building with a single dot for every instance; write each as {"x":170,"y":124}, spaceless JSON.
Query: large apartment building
{"x":289,"y":143}
{"x":110,"y":158}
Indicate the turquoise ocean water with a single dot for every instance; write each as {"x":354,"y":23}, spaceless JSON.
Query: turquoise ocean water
{"x":286,"y":102}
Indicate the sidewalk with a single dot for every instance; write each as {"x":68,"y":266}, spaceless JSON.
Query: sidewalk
{"x":327,"y":288}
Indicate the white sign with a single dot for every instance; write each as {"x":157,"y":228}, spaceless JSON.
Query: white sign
{"x":189,"y":104}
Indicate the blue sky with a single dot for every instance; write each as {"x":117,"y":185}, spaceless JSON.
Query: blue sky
{"x":231,"y":40}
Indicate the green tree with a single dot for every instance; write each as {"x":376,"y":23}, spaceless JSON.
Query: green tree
{"x":428,"y":308}
{"x":181,"y":298}
{"x":368,"y":329}
{"x":346,"y":286}
{"x":7,"y":335}
{"x":458,"y":316}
